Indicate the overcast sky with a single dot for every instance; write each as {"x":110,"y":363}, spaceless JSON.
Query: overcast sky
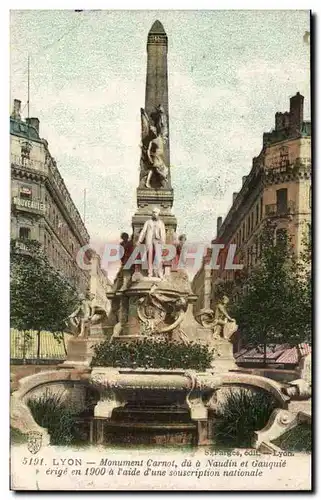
{"x":229,"y":72}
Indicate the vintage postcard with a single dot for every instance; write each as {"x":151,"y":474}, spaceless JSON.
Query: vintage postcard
{"x":160,"y":258}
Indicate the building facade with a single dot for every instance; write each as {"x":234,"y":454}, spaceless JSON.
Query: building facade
{"x":41,"y":206}
{"x":278,"y":188}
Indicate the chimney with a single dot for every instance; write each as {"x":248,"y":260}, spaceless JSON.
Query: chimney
{"x":218,"y":224}
{"x":244,"y":179}
{"x":286,"y":118}
{"x":279,"y":125}
{"x":296,"y":112}
{"x":16,"y":109}
{"x":33,"y":122}
{"x":234,"y":196}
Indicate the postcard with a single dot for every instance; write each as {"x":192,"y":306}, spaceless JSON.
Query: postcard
{"x":160,"y":256}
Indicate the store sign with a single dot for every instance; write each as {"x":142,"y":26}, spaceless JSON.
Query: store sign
{"x":25,"y":190}
{"x":37,"y":205}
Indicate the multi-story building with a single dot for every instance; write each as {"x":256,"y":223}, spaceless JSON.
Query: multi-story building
{"x":277,"y":188}
{"x":41,"y":206}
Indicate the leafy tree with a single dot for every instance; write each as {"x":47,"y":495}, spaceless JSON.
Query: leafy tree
{"x":275,"y":304}
{"x":40,"y":297}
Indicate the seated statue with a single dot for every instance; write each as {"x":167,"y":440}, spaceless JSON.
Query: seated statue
{"x":222,"y":320}
{"x":78,"y":323}
{"x":219,"y":320}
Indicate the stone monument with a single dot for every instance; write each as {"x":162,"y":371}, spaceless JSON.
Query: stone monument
{"x":155,"y":188}
{"x":87,"y":324}
{"x":223,"y":327}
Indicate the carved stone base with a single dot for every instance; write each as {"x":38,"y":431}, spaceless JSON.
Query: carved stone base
{"x":80,"y":351}
{"x":223,"y":360}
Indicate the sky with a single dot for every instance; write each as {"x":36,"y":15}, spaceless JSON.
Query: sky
{"x":229,"y":72}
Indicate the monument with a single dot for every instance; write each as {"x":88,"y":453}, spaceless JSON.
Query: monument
{"x":155,"y":189}
{"x":149,"y":302}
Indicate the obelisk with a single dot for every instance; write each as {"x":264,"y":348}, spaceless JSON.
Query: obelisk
{"x":156,"y":96}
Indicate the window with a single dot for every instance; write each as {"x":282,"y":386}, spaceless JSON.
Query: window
{"x":310,"y":197}
{"x":24,"y":233}
{"x":257,"y":214}
{"x":281,"y":201}
{"x":261,"y":208}
{"x":281,"y":237}
{"x":25,"y":193}
{"x":252,"y":221}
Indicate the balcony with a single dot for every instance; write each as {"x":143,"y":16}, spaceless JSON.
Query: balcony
{"x":275,"y":210}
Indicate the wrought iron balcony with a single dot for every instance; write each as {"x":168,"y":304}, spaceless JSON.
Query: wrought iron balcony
{"x":274,"y":210}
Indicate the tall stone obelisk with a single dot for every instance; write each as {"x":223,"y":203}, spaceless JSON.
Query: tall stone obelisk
{"x":160,"y":194}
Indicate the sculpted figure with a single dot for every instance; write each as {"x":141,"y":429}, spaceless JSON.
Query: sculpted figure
{"x":79,"y":321}
{"x":179,"y":249}
{"x":219,"y":320}
{"x":160,"y":120}
{"x":153,"y":235}
{"x":153,"y":147}
{"x":161,"y":312}
{"x":123,"y":275}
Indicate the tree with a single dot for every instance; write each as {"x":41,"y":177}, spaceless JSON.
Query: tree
{"x":40,"y":297}
{"x":275,"y":306}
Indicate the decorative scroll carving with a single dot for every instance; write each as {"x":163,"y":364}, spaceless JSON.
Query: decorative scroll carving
{"x":160,"y":311}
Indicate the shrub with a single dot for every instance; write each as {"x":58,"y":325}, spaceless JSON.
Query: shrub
{"x":297,"y":439}
{"x":152,"y":354}
{"x":240,"y":414}
{"x":51,"y":413}
{"x":17,"y":436}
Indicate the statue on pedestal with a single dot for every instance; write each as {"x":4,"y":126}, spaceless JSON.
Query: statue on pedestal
{"x":84,"y":316}
{"x":219,"y":320}
{"x":153,"y":235}
{"x":78,"y":322}
{"x":153,"y":139}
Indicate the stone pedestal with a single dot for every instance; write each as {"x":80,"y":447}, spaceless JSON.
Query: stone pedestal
{"x":223,"y":360}
{"x":80,"y":351}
